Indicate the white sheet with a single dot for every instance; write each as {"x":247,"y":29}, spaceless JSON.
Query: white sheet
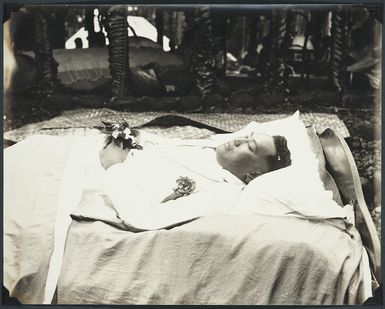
{"x":139,"y":207}
{"x":80,"y":169}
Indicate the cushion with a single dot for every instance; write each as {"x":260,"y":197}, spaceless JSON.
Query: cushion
{"x":296,"y":189}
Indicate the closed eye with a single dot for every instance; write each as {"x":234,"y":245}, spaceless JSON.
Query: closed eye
{"x":252,"y":146}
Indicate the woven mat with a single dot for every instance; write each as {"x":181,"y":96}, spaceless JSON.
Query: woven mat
{"x":81,"y":121}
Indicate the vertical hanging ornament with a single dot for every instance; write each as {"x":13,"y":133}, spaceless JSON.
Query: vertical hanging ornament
{"x":203,"y":57}
{"x":274,"y":71}
{"x":46,"y":80}
{"x":287,"y":41}
{"x":346,"y":44}
{"x":116,"y":26}
{"x":339,"y":48}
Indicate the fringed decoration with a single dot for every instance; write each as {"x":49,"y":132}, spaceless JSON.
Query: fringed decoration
{"x":203,"y":57}
{"x":273,"y":73}
{"x":116,"y":26}
{"x":340,"y":39}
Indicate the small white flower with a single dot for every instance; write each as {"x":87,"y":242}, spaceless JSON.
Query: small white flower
{"x":126,"y":133}
{"x":115,"y":134}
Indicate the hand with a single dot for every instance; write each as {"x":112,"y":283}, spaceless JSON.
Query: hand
{"x":112,"y":154}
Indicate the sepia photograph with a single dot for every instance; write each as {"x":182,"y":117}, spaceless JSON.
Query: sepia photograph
{"x":185,"y":154}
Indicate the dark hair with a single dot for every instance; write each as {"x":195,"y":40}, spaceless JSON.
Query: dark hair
{"x":283,"y":156}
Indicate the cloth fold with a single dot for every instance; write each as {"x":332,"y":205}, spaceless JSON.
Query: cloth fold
{"x":221,"y":259}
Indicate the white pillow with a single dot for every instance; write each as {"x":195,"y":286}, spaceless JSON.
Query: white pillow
{"x":296,"y":189}
{"x":288,"y":191}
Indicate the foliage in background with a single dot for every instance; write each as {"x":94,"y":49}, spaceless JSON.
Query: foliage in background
{"x":46,"y":79}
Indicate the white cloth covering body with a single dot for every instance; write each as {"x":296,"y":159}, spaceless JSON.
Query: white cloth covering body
{"x":137,"y":186}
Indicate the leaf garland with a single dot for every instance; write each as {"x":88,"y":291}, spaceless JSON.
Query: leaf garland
{"x":340,"y":38}
{"x":273,"y":73}
{"x":116,"y":26}
{"x":203,"y":56}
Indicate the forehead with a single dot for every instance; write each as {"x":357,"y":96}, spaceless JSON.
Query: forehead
{"x":265,"y":143}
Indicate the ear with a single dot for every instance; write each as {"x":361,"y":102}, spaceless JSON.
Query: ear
{"x":250,"y":176}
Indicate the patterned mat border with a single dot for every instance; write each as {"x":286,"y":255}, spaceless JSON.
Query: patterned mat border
{"x":86,"y":119}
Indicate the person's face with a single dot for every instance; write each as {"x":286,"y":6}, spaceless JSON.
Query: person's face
{"x":247,"y":154}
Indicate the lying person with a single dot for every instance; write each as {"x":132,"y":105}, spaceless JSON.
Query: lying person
{"x":245,"y":157}
{"x":143,"y":183}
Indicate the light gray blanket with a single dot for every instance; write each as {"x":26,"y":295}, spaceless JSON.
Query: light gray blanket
{"x":248,"y":259}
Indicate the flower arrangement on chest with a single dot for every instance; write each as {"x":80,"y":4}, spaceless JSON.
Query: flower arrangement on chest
{"x":119,"y":140}
{"x":120,"y":133}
